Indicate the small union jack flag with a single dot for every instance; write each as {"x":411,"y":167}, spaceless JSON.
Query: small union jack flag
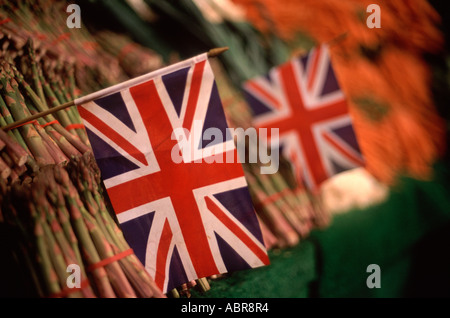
{"x":303,"y":100}
{"x":184,"y":220}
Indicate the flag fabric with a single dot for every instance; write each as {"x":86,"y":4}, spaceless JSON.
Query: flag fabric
{"x":303,"y":100}
{"x":185,"y":215}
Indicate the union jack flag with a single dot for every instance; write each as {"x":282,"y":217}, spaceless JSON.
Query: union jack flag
{"x":184,"y":220}
{"x":303,"y":99}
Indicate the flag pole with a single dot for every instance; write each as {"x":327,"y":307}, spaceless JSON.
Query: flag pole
{"x":31,"y":118}
{"x":217,"y":51}
{"x":211,"y":53}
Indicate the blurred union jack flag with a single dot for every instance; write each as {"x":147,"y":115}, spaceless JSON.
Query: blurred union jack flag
{"x":303,"y":99}
{"x":183,"y":220}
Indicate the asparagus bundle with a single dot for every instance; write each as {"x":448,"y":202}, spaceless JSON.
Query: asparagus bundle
{"x":12,"y":158}
{"x":45,"y":22}
{"x":45,"y":140}
{"x":134,"y":59}
{"x":50,"y":184}
{"x":70,"y":224}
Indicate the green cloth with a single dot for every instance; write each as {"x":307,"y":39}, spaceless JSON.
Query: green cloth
{"x":288,"y":276}
{"x":391,"y":235}
{"x":407,"y":236}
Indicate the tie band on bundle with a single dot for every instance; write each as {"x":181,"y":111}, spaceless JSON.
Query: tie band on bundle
{"x":74,"y":126}
{"x":50,"y":123}
{"x":109,"y":260}
{"x":67,"y":291}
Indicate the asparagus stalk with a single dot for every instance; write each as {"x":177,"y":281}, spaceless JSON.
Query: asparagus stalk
{"x":118,"y":279}
{"x":84,"y":170}
{"x":7,"y":119}
{"x":203,"y":284}
{"x":62,"y":114}
{"x":43,"y":211}
{"x":51,"y":279}
{"x":55,"y":195}
{"x":74,"y":140}
{"x":56,"y":153}
{"x":19,"y":155}
{"x":294,"y":214}
{"x":273,"y":218}
{"x":19,"y":111}
{"x":86,"y":182}
{"x":70,"y":250}
{"x":280,"y":202}
{"x":5,"y":170}
{"x":89,"y":250}
{"x":34,"y":69}
{"x":63,"y":97}
{"x":65,"y":148}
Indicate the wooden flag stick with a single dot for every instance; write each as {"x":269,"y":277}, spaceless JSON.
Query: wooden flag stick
{"x":211,"y":53}
{"x":38,"y":115}
{"x":217,"y":51}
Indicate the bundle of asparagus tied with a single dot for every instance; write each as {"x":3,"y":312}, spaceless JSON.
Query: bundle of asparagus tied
{"x":50,"y":188}
{"x":134,"y":59}
{"x":51,"y":191}
{"x":64,"y":222}
{"x":74,"y":49}
{"x":95,"y":59}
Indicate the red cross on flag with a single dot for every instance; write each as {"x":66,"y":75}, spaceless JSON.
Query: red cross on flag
{"x":303,"y":100}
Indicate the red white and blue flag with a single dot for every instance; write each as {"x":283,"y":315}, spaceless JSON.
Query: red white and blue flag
{"x":303,"y":99}
{"x":184,"y":220}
